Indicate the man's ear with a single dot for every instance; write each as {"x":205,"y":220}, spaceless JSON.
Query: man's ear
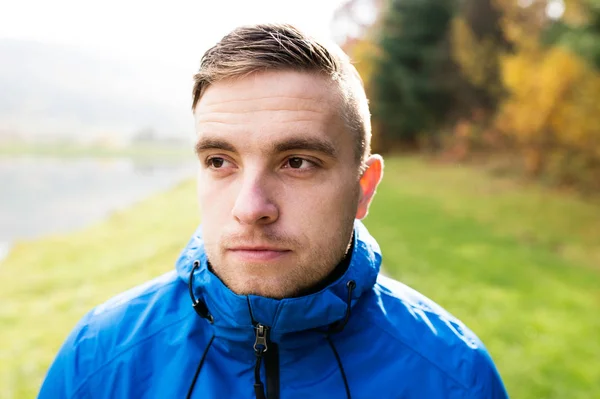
{"x":368,"y":184}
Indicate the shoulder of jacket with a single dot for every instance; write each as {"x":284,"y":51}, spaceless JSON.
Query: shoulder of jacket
{"x":113,"y":328}
{"x":432,"y":333}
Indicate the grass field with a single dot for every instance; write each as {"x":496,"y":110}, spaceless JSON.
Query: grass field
{"x":520,"y":265}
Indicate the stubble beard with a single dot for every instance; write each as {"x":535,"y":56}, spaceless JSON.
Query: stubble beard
{"x":289,"y":280}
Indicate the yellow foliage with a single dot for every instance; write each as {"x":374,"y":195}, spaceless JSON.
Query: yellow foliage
{"x":363,"y":53}
{"x":522,"y":25}
{"x":552,"y":111}
{"x":478,"y":59}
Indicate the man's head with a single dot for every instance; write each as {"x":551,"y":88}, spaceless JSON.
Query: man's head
{"x":285,"y":167}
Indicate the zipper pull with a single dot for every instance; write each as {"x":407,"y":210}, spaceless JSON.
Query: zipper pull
{"x":260,"y":347}
{"x":260,"y":344}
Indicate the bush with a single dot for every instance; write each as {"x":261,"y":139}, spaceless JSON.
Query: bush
{"x":551,"y":115}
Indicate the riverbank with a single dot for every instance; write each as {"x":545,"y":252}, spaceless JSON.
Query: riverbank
{"x":58,"y":195}
{"x":519,"y":264}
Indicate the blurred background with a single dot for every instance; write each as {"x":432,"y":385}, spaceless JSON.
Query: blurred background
{"x":487,"y":112}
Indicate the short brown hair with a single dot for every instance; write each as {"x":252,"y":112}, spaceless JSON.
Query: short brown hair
{"x":267,"y":47}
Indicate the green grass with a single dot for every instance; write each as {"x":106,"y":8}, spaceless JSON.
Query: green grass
{"x":519,"y":264}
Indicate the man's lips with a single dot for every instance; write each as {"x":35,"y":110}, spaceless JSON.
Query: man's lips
{"x":258,"y":253}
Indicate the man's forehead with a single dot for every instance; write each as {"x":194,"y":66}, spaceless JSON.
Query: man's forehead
{"x":272,"y":112}
{"x":298,"y":90}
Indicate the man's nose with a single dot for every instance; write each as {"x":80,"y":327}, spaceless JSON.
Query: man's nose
{"x":253,"y":204}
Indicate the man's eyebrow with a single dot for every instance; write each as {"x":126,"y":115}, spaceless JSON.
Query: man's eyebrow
{"x":310,"y":144}
{"x":213,"y":144}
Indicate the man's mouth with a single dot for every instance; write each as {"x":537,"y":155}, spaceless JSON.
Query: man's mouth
{"x":258,"y":253}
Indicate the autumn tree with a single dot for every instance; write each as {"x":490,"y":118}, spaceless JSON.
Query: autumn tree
{"x":410,"y":94}
{"x":554,"y":94}
{"x":478,"y":43}
{"x":578,"y":30}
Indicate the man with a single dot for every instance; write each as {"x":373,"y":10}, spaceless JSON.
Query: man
{"x":282,"y":275}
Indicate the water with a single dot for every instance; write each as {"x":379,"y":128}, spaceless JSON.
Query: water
{"x":40,"y":196}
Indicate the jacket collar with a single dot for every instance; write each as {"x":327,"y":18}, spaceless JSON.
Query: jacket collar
{"x":233,"y":312}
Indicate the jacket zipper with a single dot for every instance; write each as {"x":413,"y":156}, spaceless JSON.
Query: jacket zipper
{"x":269,"y":351}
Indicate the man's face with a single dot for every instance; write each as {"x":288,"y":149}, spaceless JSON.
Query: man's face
{"x":278,"y":182}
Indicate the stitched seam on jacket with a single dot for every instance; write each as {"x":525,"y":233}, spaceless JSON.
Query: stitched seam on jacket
{"x":122,"y":352}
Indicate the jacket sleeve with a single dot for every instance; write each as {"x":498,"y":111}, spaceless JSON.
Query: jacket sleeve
{"x":68,"y":370}
{"x":489,"y":384}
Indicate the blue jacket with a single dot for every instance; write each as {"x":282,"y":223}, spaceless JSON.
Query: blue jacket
{"x":363,"y":336}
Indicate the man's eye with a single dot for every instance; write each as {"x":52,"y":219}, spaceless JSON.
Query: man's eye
{"x":298,"y":163}
{"x":216,"y":163}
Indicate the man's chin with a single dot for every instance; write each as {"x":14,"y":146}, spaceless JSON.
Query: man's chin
{"x":268,"y":287}
{"x":277,"y":279}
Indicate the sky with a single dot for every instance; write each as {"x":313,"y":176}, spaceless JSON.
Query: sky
{"x":161,"y":42}
{"x":173,"y":32}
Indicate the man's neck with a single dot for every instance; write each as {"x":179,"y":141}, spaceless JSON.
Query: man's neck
{"x":335,"y":274}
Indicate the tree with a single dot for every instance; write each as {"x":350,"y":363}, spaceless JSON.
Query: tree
{"x":410,"y":92}
{"x":578,"y":30}
{"x":478,"y":43}
{"x":552,"y":115}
